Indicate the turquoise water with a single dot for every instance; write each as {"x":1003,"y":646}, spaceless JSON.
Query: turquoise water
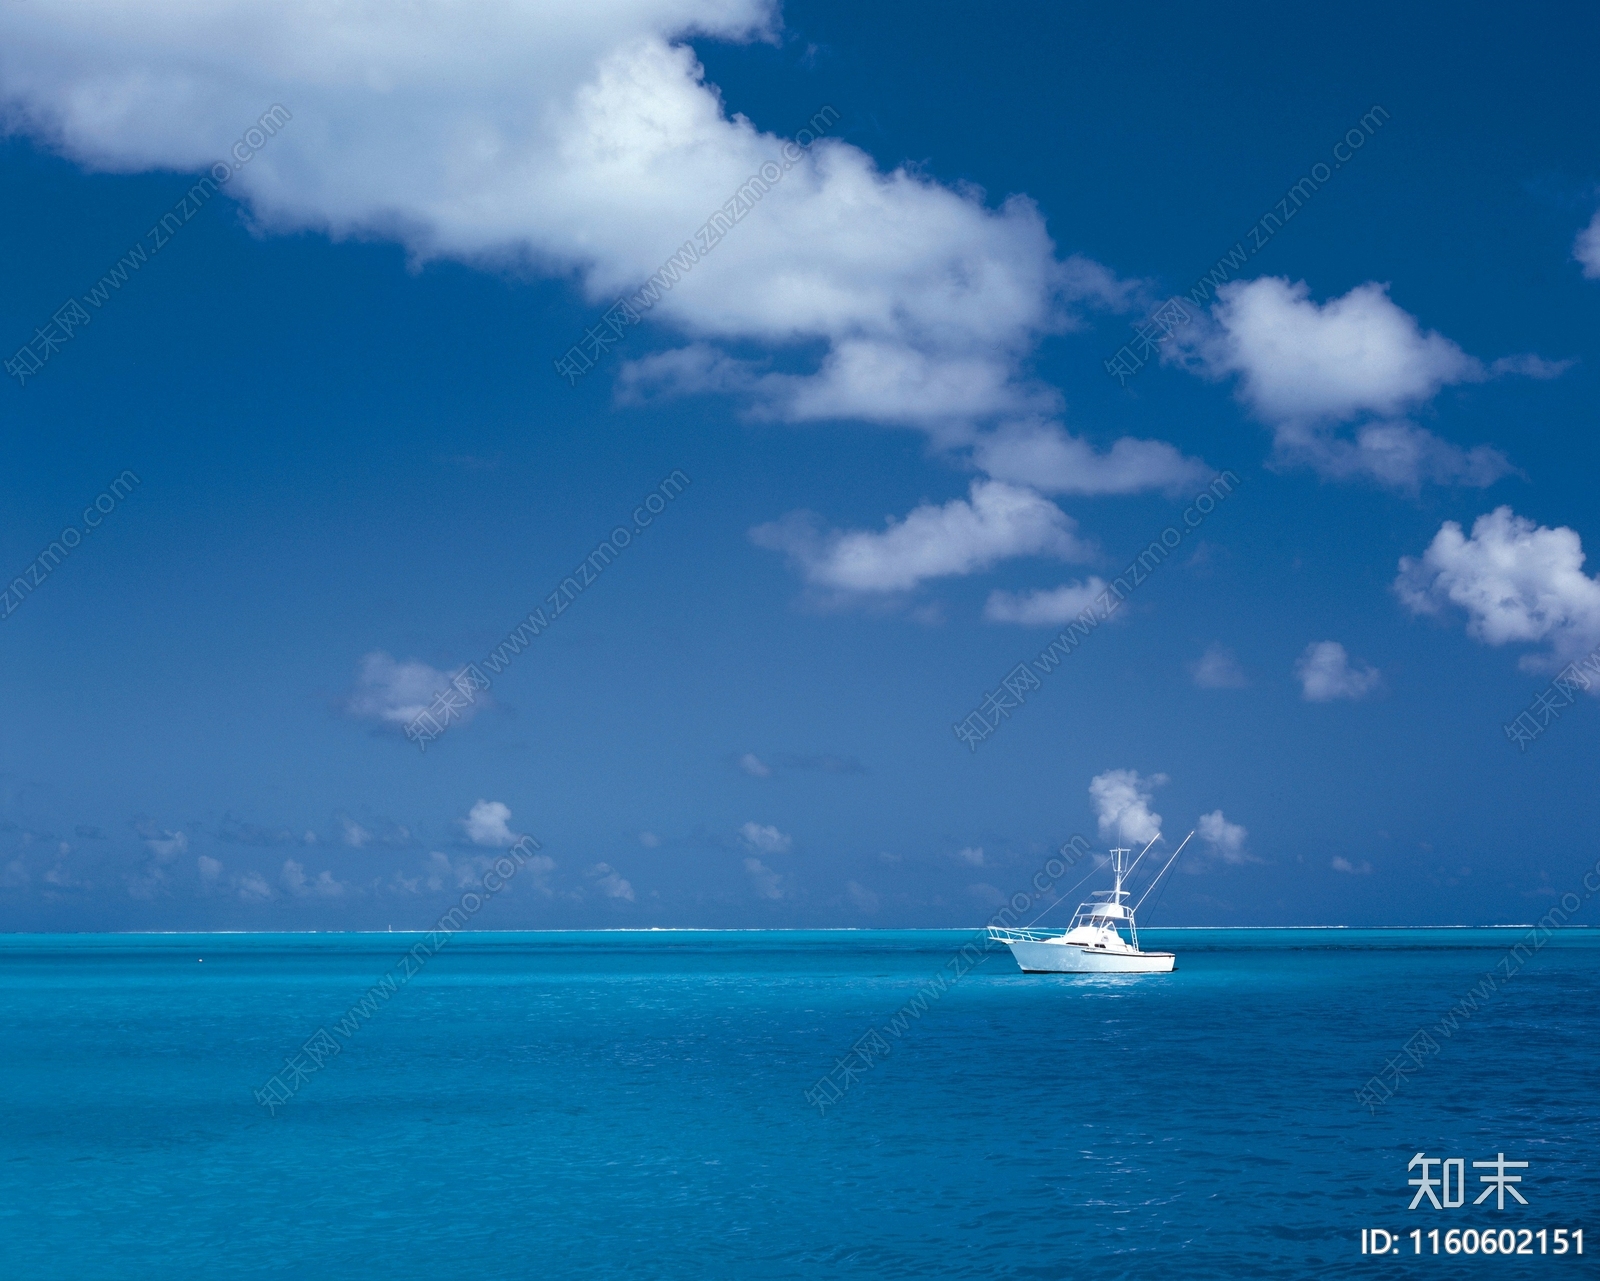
{"x":633,"y":1104}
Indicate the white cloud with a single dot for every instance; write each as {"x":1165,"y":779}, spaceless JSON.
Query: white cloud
{"x":573,"y":140}
{"x":1303,"y":368}
{"x":1042,"y":455}
{"x":1217,"y":669}
{"x":164,"y":846}
{"x":1398,"y":454}
{"x":972,"y":854}
{"x":1122,"y":805}
{"x":441,"y":872}
{"x":961,"y":537}
{"x":1325,"y":674}
{"x":293,"y":878}
{"x":1518,"y":583}
{"x":765,"y":882}
{"x":1298,"y":361}
{"x":1051,"y":607}
{"x":62,"y":878}
{"x":394,"y":694}
{"x":765,"y":840}
{"x":610,"y":883}
{"x":1586,"y":248}
{"x":754,"y":766}
{"x":863,"y":898}
{"x":486,"y":824}
{"x":1341,"y":864}
{"x":253,"y":888}
{"x":1225,"y":838}
{"x":649,"y":840}
{"x":355,"y":835}
{"x":210,"y":872}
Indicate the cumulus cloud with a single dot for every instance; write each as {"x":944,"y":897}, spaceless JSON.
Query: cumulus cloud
{"x":765,"y":882}
{"x":765,"y":840}
{"x":1224,"y":838}
{"x":61,"y":877}
{"x":1122,"y":804}
{"x":1305,"y":368}
{"x":1325,"y":674}
{"x":1296,"y":360}
{"x":963,"y":536}
{"x":579,"y":141}
{"x":253,"y":888}
{"x":861,"y":897}
{"x":1518,"y":583}
{"x":486,"y":824}
{"x":1051,"y":607}
{"x":1217,"y":669}
{"x":611,"y":884}
{"x":355,"y":835}
{"x":1342,"y":864}
{"x":392,"y":694}
{"x":754,"y":766}
{"x":210,"y":872}
{"x":1586,"y":249}
{"x":972,"y":854}
{"x":294,"y":879}
{"x":164,"y":846}
{"x":1044,"y":456}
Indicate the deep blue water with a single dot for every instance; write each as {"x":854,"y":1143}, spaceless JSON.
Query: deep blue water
{"x":632,"y":1104}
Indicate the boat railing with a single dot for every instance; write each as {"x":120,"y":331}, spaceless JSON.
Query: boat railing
{"x":1000,"y":934}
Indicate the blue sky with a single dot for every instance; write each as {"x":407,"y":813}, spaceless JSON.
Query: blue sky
{"x":886,"y":387}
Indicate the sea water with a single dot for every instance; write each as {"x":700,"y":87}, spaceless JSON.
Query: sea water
{"x":657,"y":1104}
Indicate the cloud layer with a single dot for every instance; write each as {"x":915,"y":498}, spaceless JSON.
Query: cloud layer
{"x":1224,"y":838}
{"x":1217,"y":669}
{"x":1517,"y":582}
{"x":1325,"y":674}
{"x":577,"y":141}
{"x":996,"y":522}
{"x":392,"y":694}
{"x":1586,"y":249}
{"x":1306,"y":368}
{"x":1122,"y":805}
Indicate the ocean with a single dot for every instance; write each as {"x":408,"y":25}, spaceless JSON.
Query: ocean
{"x":784,"y":1104}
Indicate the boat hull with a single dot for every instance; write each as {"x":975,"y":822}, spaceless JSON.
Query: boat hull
{"x":1067,"y":958}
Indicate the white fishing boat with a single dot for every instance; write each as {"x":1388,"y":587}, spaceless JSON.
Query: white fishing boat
{"x":1101,"y":938}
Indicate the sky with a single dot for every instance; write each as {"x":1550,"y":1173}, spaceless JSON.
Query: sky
{"x":928,"y":438}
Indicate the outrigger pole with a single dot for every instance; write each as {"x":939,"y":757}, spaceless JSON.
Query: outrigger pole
{"x":1162,"y":872}
{"x":1143,"y":852}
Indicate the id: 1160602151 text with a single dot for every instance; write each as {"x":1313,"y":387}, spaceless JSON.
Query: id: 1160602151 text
{"x":1473,"y":1241}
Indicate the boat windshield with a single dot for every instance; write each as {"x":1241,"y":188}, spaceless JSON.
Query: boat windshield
{"x":1102,"y":916}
